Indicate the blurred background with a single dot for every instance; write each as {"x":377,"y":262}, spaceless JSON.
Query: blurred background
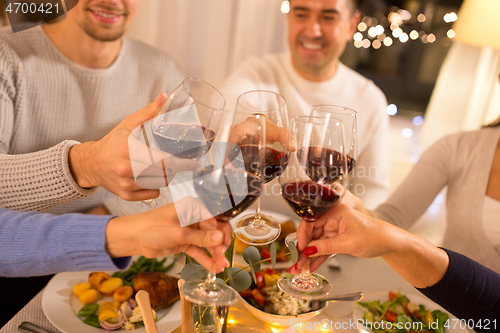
{"x":436,"y":81}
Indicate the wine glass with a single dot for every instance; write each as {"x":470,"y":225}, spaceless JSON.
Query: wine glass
{"x":314,"y":182}
{"x":183,"y":129}
{"x":228,"y":181}
{"x":350,"y":119}
{"x":257,"y":228}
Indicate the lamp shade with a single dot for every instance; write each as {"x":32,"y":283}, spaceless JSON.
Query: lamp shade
{"x":478,"y":23}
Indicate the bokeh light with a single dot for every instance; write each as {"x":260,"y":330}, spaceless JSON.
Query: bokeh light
{"x":407,"y":132}
{"x":391,"y":109}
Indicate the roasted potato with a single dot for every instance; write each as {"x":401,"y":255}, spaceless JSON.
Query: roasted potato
{"x":108,"y":306}
{"x":286,"y":229}
{"x":123,"y":294}
{"x":107,"y":314}
{"x":109,"y":286}
{"x":79,"y":288}
{"x":96,"y":278}
{"x":88,"y":296}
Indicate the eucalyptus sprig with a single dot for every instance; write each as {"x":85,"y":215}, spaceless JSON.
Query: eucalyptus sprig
{"x":238,"y":278}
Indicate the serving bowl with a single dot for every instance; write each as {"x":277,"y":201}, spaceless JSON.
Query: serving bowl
{"x":283,"y":321}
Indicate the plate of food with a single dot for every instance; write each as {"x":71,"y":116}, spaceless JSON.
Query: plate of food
{"x":288,"y":225}
{"x":265,"y":301}
{"x":81,"y":302}
{"x":387,"y":311}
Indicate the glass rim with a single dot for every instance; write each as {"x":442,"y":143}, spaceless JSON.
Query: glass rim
{"x":304,"y":119}
{"x":344,"y":108}
{"x":281,"y":97}
{"x":211,"y":86}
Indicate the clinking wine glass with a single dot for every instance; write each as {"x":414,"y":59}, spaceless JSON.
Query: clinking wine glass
{"x":314,"y":182}
{"x":182,"y":130}
{"x":350,"y":119}
{"x":257,"y":228}
{"x":227,"y":182}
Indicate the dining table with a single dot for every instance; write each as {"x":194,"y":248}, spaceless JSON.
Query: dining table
{"x":348,"y":275}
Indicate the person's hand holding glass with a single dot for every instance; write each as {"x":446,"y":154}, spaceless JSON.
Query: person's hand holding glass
{"x":183,"y":128}
{"x":228,"y":181}
{"x":314,"y":181}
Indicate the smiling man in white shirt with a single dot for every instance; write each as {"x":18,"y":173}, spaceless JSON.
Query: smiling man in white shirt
{"x":310,"y":73}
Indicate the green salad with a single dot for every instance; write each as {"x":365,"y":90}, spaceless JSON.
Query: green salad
{"x":399,"y":315}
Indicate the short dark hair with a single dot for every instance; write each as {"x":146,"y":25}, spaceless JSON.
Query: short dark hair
{"x":352,"y":4}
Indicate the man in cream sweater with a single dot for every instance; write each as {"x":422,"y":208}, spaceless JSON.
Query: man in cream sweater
{"x":311,"y":73}
{"x":68,"y":93}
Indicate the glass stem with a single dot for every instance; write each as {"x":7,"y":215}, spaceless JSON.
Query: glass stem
{"x":305,"y":273}
{"x":210,"y":283}
{"x":257,"y":210}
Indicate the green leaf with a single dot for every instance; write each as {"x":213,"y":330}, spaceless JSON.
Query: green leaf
{"x":180,"y":254}
{"x":240,"y":279}
{"x":192,"y":272}
{"x":293,"y":252}
{"x":273,"y":254}
{"x":252,"y":257}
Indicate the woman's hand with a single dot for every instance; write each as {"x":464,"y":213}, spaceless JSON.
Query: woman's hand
{"x":158,"y":232}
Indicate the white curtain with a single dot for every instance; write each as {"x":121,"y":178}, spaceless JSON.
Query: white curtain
{"x":209,"y":38}
{"x":467,"y":92}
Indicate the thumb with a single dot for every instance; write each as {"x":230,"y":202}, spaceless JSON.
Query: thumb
{"x":204,"y":238}
{"x":138,"y":118}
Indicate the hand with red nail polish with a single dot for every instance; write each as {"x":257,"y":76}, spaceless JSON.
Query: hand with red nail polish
{"x":310,"y":250}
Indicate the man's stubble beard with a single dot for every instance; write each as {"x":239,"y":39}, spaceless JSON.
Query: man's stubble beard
{"x":102,"y":35}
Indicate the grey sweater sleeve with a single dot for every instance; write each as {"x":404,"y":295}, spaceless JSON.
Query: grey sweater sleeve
{"x":426,"y":179}
{"x":38,"y":180}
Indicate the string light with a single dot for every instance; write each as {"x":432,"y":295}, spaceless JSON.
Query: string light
{"x":431,"y":38}
{"x":362,"y":26}
{"x":358,"y":44}
{"x":450,"y":17}
{"x":414,"y":34}
{"x":376,"y":44}
{"x":358,"y":36}
{"x":388,"y":41}
{"x":397,"y":32}
{"x":403,"y":38}
{"x":366,"y":43}
{"x":421,"y":18}
{"x":450,"y":33}
{"x":285,"y":6}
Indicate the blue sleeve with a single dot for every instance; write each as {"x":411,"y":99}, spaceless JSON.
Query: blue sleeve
{"x":39,"y":244}
{"x":469,"y":291}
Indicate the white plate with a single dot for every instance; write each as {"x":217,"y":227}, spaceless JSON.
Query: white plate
{"x":383,"y":296}
{"x":61,"y":306}
{"x":238,"y":258}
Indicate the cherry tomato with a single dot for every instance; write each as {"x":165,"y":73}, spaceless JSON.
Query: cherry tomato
{"x":392,"y":295}
{"x":258,"y":297}
{"x":391,"y":316}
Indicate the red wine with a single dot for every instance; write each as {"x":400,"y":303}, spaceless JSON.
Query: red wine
{"x":325,"y":164}
{"x":183,"y":140}
{"x":228,"y":193}
{"x":276,"y":161}
{"x":308,"y":199}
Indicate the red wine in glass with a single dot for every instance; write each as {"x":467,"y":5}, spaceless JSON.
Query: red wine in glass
{"x":308,"y":199}
{"x":325,"y":164}
{"x":233,"y":186}
{"x":183,"y":140}
{"x":275,"y":161}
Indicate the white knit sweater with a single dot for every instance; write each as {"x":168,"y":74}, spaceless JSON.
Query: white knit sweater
{"x":462,"y":162}
{"x":48,"y":104}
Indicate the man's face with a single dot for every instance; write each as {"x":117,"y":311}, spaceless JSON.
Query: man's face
{"x":318,"y":31}
{"x":104,"y":20}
